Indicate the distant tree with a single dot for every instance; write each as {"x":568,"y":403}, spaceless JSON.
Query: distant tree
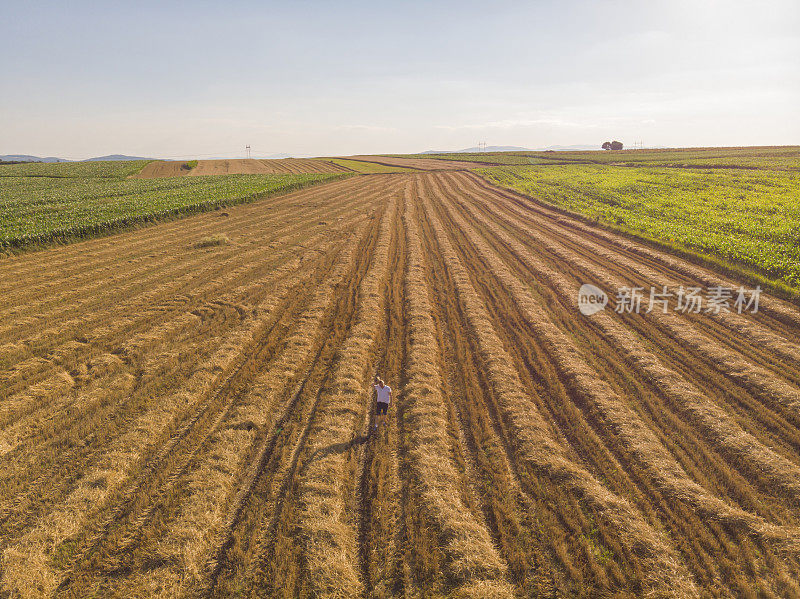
{"x":616,"y":145}
{"x":606,"y":145}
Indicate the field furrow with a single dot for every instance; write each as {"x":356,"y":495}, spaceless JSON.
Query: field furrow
{"x":473,"y":561}
{"x":250,"y":555}
{"x":153,"y":301}
{"x":206,"y":395}
{"x":141,"y":428}
{"x":620,"y":420}
{"x":483,"y":450}
{"x":259,"y":555}
{"x":152,"y":337}
{"x":380,"y":527}
{"x":757,"y":336}
{"x":775,"y":310}
{"x":145,"y":287}
{"x":230,"y":458}
{"x":767,"y":385}
{"x":328,"y":533}
{"x":770,"y":422}
{"x":547,"y":457}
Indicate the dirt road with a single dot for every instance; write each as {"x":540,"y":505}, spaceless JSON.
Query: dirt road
{"x":179,"y":421}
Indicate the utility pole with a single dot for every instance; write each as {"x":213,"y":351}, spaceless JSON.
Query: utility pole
{"x":481,"y":146}
{"x":247,"y":147}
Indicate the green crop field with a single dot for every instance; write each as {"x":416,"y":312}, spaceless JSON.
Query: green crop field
{"x":40,"y":203}
{"x":483,"y":158}
{"x":490,"y":158}
{"x":361,"y":166}
{"x":771,"y":158}
{"x":745,"y":217}
{"x":101,"y":169}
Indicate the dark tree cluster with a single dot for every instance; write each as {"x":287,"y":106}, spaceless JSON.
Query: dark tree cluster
{"x":612,"y":145}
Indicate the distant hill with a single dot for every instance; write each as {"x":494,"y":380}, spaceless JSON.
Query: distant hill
{"x":28,"y":158}
{"x":574,"y":148}
{"x":267,"y":157}
{"x":114,"y":157}
{"x":477,"y":149}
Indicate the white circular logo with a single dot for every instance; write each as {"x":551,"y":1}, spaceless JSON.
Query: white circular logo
{"x":591,"y":299}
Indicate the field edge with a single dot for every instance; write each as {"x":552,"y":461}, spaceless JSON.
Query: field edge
{"x":721,"y":265}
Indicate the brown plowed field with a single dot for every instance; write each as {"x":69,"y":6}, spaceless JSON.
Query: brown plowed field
{"x":423,"y":164}
{"x":187,"y":422}
{"x":244,"y":166}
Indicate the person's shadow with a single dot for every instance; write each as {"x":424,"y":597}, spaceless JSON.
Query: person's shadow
{"x":324,"y":452}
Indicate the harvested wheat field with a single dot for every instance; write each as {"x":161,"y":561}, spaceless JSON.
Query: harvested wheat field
{"x":181,"y":418}
{"x":240,"y":166}
{"x":423,"y":164}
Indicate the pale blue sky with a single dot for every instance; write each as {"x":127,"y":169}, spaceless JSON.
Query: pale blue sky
{"x":181,"y":79}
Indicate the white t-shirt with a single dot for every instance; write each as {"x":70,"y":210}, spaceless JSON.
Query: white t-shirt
{"x":383,"y":394}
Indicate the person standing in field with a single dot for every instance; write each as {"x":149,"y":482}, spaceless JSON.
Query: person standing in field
{"x":384,"y":397}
